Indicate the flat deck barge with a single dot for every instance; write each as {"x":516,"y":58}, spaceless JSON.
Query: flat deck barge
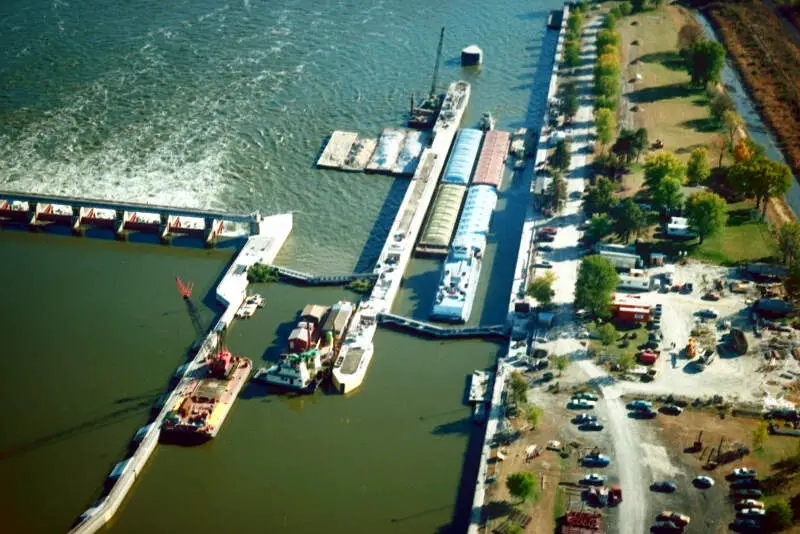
{"x":492,"y":159}
{"x":360,"y":154}
{"x":337,"y":149}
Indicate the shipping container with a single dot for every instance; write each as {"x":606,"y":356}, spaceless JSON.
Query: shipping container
{"x":633,"y":314}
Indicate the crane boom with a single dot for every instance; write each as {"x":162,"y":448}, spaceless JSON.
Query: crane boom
{"x":436,"y":67}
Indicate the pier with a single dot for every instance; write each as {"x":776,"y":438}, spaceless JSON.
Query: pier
{"x":231,"y":292}
{"x":517,"y":321}
{"x":309,"y":279}
{"x":434,"y":330}
{"x":39,"y":211}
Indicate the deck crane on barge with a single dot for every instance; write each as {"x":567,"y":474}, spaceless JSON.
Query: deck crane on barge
{"x":423,"y":116}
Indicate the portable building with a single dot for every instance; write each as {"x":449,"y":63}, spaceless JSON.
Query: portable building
{"x":633,"y":314}
{"x":621,"y":260}
{"x":462,"y":157}
{"x":491,"y":162}
{"x":679,"y":227}
{"x":641,"y":282}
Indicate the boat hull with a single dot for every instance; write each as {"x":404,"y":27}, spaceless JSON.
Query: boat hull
{"x":346,"y":382}
{"x":271,"y":382}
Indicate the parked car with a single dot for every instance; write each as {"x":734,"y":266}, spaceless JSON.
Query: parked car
{"x":584,"y":418}
{"x":647,"y":413}
{"x":747,"y":493}
{"x":674,"y":517}
{"x":547,"y":377}
{"x":708,"y":313}
{"x":744,"y":483}
{"x":543,"y":264}
{"x":665,"y":527}
{"x":591,"y":426}
{"x":593,"y":479}
{"x":596,"y":460}
{"x":711,"y":296}
{"x":743,"y":472}
{"x":663,"y":486}
{"x":749,"y":503}
{"x":751,"y":512}
{"x":581,"y":404}
{"x":745,"y":525}
{"x":585,"y":396}
{"x":639,"y":404}
{"x":703,"y":481}
{"x":671,"y":409}
{"x":688,"y":287}
{"x":545,"y":248}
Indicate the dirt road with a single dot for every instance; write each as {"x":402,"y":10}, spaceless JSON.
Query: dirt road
{"x":627,"y":453}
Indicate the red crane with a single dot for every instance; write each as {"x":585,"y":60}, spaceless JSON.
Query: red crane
{"x":184,"y":289}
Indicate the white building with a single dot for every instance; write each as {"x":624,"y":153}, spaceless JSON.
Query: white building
{"x":679,"y":227}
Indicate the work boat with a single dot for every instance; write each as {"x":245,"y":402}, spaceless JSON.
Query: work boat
{"x":487,"y":122}
{"x":301,"y":372}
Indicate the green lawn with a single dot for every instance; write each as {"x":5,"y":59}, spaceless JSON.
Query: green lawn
{"x":616,"y":349}
{"x":744,"y":239}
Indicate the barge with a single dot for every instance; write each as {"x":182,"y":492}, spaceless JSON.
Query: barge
{"x":204,"y":402}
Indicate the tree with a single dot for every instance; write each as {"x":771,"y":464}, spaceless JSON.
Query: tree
{"x":606,"y":38}
{"x":662,"y":165}
{"x":600,"y":225}
{"x":541,"y":288}
{"x":600,"y":198}
{"x":707,"y":213}
{"x":630,"y":143}
{"x":741,"y":152}
{"x":561,"y":362}
{"x":704,"y":61}
{"x":561,"y":157}
{"x":732,"y":121}
{"x":667,"y":196}
{"x":775,"y":181}
{"x":606,"y":85}
{"x":639,"y":142}
{"x":533,"y":414}
{"x":569,"y":100}
{"x":625,"y":361}
{"x":611,"y":20}
{"x":788,"y":239}
{"x":597,"y":281}
{"x":720,"y":103}
{"x":689,"y":35}
{"x":637,"y":6}
{"x":259,"y":273}
{"x":778,"y":516}
{"x":518,"y":387}
{"x":606,"y":123}
{"x":625,"y":8}
{"x":608,"y":65}
{"x":607,"y":334}
{"x":575,"y":21}
{"x":698,"y":170}
{"x":611,"y":165}
{"x":760,"y":434}
{"x":630,"y":219}
{"x":572,"y":54}
{"x":521,"y":485}
{"x":557,"y":192}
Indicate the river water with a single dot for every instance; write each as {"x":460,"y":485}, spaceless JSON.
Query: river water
{"x":226,"y":105}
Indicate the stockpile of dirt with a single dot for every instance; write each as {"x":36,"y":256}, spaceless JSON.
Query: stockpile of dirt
{"x":769,"y":63}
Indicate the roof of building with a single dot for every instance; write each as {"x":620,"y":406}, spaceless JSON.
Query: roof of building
{"x":299,"y":333}
{"x":444,"y":215}
{"x":462,"y":158}
{"x":314,"y":311}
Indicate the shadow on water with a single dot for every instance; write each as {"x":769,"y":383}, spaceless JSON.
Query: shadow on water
{"x":278,"y":345}
{"x":139,"y":405}
{"x":383,"y":223}
{"x":423,"y":290}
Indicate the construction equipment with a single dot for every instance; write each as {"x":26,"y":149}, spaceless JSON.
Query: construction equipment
{"x":423,"y":116}
{"x":738,"y":341}
{"x":691,"y":348}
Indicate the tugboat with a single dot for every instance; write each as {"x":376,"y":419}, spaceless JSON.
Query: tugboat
{"x":487,"y":122}
{"x":311,"y":348}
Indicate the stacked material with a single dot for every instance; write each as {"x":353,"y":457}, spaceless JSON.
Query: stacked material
{"x":408,"y":158}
